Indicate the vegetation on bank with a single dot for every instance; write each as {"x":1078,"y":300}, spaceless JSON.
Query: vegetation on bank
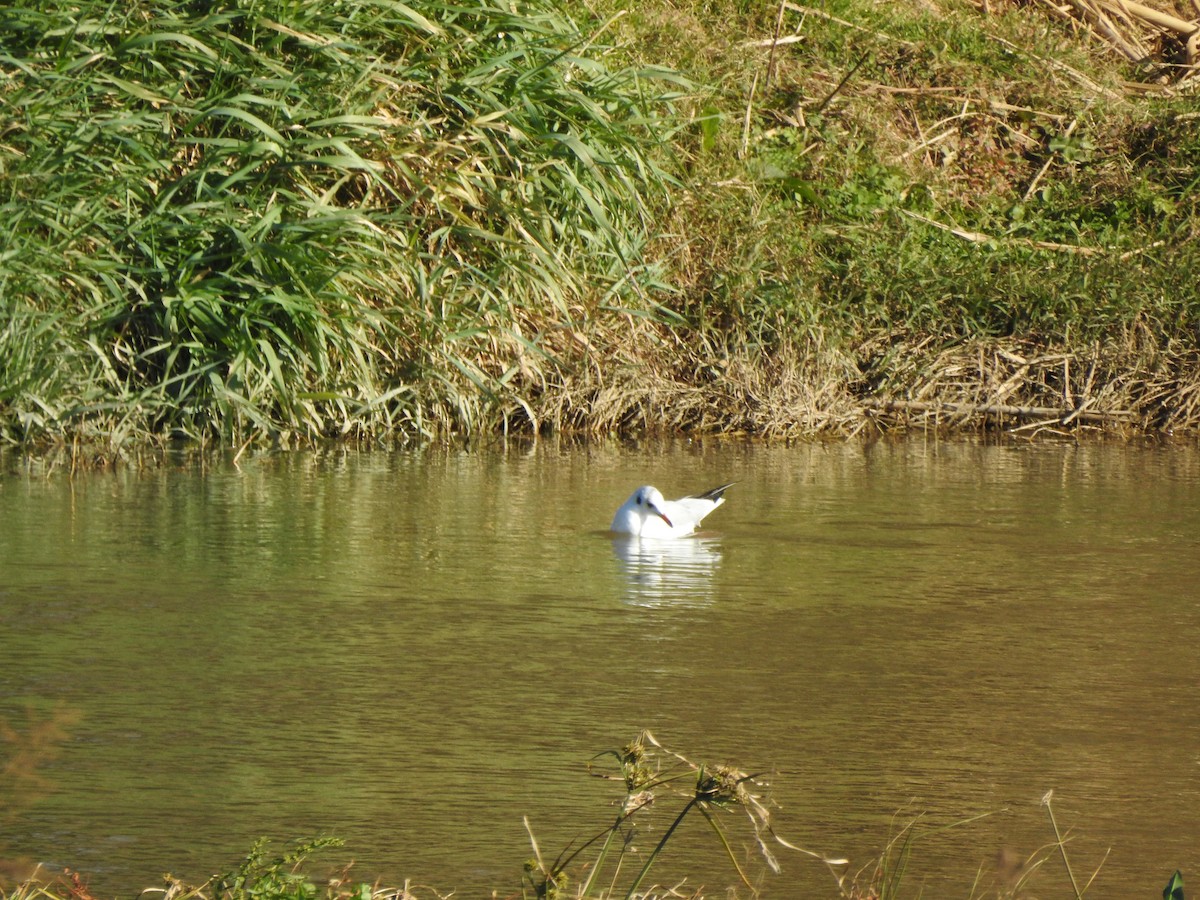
{"x":303,"y":218}
{"x":732,"y":803}
{"x":282,"y":221}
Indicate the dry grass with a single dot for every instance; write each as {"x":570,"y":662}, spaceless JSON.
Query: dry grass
{"x":1158,"y":34}
{"x":1028,"y":388}
{"x":1126,"y":386}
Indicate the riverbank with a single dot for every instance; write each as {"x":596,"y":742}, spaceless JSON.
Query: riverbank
{"x":290,"y":223}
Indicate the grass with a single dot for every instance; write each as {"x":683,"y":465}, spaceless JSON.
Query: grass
{"x":304,"y":219}
{"x":279,"y":222}
{"x":654,"y":774}
{"x":901,"y":183}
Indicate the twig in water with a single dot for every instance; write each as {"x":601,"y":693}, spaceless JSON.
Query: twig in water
{"x":1062,"y":846}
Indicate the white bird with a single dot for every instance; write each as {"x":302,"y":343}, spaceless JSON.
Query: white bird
{"x":646,"y":514}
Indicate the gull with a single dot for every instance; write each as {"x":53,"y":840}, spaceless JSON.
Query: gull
{"x":646,"y":514}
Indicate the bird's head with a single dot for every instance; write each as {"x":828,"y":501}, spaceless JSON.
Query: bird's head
{"x":650,"y":500}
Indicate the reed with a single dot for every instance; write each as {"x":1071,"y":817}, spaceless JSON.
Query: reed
{"x":656,"y":775}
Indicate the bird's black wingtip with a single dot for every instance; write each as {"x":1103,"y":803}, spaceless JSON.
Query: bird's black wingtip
{"x":715,"y":494}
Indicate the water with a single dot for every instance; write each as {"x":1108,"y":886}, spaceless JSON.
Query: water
{"x":415,"y":651}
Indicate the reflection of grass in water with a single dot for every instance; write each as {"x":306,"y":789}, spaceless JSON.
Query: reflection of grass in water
{"x":24,"y":750}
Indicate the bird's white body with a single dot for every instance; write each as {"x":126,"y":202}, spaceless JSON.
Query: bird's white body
{"x":646,"y":514}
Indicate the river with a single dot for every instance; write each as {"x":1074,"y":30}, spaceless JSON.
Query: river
{"x":419,"y":651}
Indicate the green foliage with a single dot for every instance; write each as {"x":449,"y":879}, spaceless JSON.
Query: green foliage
{"x":302,"y":217}
{"x":280,"y":878}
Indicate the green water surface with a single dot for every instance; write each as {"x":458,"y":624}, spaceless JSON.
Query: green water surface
{"x":414,"y":651}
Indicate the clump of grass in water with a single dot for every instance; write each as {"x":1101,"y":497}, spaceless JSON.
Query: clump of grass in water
{"x":649,"y":772}
{"x":305,"y":219}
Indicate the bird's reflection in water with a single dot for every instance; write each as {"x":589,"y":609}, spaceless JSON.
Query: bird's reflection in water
{"x":662,"y":572}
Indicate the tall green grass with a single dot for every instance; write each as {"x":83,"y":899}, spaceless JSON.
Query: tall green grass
{"x":304,"y":218}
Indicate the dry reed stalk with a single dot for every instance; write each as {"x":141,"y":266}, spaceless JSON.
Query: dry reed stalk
{"x":1100,"y":24}
{"x":1056,"y":65}
{"x":810,"y":11}
{"x":1128,"y":385}
{"x":1056,"y":414}
{"x":1150,"y":16}
{"x":977,"y":237}
{"x":955,"y":95}
{"x":1134,"y":28}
